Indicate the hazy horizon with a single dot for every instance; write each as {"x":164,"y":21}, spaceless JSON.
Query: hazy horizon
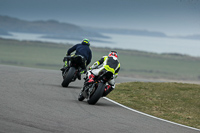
{"x":173,"y":17}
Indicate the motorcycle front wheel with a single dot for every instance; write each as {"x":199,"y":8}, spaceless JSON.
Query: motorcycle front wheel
{"x":81,"y":97}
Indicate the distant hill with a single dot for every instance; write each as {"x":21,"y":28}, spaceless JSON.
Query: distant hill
{"x":3,"y":32}
{"x":50,"y":28}
{"x":128,"y":32}
{"x":140,"y":33}
{"x":57,"y":30}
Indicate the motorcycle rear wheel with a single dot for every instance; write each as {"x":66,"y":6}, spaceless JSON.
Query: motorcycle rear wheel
{"x":97,"y":94}
{"x":68,"y":77}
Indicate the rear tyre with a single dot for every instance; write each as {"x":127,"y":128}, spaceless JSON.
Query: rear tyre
{"x":68,"y":77}
{"x":97,"y":94}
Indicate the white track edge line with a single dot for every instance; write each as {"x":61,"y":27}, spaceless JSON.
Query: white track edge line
{"x":149,"y":115}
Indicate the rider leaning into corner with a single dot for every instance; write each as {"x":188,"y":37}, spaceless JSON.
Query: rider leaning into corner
{"x":82,"y":49}
{"x":108,"y":63}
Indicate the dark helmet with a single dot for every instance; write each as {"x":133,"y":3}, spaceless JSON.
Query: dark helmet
{"x":86,"y":42}
{"x":113,"y":53}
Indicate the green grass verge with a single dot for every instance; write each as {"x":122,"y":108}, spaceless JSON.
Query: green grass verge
{"x":176,"y":102}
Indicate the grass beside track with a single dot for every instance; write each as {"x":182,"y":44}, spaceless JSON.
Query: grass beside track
{"x":177,"y":102}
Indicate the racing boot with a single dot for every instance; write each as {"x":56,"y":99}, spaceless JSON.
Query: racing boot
{"x":65,"y":66}
{"x":63,"y":69}
{"x":107,"y":90}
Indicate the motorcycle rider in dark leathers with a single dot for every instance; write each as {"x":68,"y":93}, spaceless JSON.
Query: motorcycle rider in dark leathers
{"x":82,"y":49}
{"x":106,"y":63}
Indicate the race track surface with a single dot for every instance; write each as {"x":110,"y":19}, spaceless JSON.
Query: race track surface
{"x":33,"y":101}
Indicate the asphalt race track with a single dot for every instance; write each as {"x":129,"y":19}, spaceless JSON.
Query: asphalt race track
{"x":33,"y":101}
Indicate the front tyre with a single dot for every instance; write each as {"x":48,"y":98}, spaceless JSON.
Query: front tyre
{"x":81,"y":97}
{"x":97,"y":94}
{"x":68,"y":77}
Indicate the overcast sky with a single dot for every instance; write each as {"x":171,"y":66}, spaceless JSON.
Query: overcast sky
{"x":173,"y":17}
